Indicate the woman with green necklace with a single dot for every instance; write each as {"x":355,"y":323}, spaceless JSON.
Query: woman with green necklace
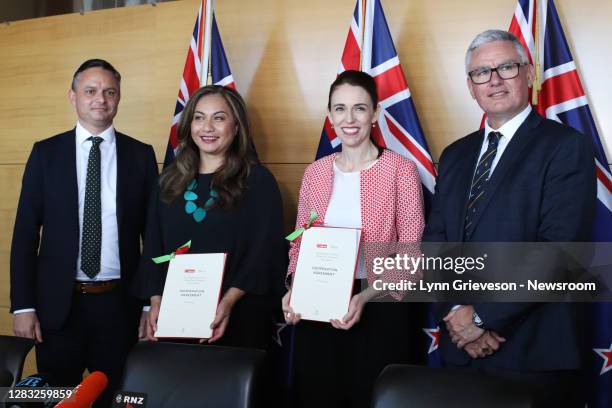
{"x":216,"y":194}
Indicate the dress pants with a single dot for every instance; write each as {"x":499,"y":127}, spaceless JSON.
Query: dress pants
{"x":251,"y":323}
{"x":338,"y":368}
{"x":99,"y":332}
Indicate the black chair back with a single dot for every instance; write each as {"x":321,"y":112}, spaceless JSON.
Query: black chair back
{"x":423,"y":387}
{"x":13,"y":352}
{"x":186,"y":375}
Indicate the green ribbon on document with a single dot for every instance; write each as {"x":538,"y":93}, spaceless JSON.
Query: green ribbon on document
{"x":300,"y":231}
{"x":167,"y":258}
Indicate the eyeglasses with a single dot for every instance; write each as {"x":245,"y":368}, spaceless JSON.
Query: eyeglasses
{"x":505,"y":71}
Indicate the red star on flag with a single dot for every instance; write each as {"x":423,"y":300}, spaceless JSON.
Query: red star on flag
{"x":606,"y":354}
{"x":434,"y":334}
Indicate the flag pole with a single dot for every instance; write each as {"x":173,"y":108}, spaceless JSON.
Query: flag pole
{"x":205,"y":74}
{"x":201,"y":36}
{"x":209,"y":36}
{"x":362,"y":33}
{"x":537,"y":80}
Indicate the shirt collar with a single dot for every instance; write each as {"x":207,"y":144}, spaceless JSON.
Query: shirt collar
{"x":83,"y":134}
{"x":510,"y":127}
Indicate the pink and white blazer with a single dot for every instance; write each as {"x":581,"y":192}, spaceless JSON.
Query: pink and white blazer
{"x":391,"y":204}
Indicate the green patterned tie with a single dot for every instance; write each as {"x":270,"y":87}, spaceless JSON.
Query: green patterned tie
{"x":91,"y":241}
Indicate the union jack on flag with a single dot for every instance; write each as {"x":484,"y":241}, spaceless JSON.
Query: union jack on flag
{"x":206,"y":63}
{"x":559,"y":96}
{"x":369,"y":48}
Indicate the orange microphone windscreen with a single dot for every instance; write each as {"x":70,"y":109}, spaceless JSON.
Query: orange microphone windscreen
{"x":86,"y":392}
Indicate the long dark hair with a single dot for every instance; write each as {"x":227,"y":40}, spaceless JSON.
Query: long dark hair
{"x":230,"y":179}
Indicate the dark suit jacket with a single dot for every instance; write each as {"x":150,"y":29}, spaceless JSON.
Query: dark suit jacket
{"x":542,"y":189}
{"x":45,"y":242}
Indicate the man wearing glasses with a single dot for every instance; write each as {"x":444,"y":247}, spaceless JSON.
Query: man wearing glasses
{"x":522,"y":178}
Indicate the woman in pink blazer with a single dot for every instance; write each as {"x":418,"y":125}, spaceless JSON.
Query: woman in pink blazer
{"x":368,"y":187}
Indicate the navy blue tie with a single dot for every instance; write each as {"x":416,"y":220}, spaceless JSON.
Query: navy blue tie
{"x":91,"y":241}
{"x":481,"y":176}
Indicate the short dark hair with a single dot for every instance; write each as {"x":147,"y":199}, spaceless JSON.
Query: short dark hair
{"x":355,"y":78}
{"x":94,"y":63}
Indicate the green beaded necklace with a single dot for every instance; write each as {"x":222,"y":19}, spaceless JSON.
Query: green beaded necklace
{"x":198,"y":213}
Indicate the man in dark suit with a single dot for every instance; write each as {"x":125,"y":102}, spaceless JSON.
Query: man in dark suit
{"x":522,"y":178}
{"x":76,"y":242}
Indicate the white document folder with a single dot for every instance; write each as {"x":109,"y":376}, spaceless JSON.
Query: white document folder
{"x":325,"y":272}
{"x":191,"y":295}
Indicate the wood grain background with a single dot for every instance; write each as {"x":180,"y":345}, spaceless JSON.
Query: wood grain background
{"x":283,"y":54}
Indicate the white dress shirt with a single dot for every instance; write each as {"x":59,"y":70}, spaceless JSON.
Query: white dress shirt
{"x":507,"y":130}
{"x":344,"y":209}
{"x":109,"y":257}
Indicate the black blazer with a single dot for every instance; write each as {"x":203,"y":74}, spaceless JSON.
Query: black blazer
{"x":542,"y":189}
{"x":45,"y":242}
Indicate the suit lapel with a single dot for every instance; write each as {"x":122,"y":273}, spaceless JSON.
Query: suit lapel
{"x":122,"y":169}
{"x":465,"y":174}
{"x":69,"y":186}
{"x":509,"y":160}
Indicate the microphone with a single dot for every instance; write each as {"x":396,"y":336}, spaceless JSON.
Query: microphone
{"x":86,"y":392}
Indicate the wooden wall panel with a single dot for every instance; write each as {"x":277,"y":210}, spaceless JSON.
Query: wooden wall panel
{"x":10,"y":186}
{"x":283,"y":53}
{"x":289,"y":177}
